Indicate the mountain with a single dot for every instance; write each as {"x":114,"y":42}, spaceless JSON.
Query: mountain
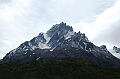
{"x":115,"y":51}
{"x":61,"y":42}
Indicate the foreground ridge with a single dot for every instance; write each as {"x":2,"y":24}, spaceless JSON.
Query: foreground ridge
{"x":69,"y":68}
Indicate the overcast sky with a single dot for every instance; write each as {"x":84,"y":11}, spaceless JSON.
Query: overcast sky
{"x":21,"y":20}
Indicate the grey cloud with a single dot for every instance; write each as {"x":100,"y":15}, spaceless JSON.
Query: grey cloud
{"x":114,"y":34}
{"x":68,"y":11}
{"x":110,"y":36}
{"x":5,"y":1}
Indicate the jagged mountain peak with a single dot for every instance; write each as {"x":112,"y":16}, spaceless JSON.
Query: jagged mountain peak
{"x":103,"y":47}
{"x":48,"y":40}
{"x":62,"y":27}
{"x":60,"y":41}
{"x":116,"y":49}
{"x":55,"y":38}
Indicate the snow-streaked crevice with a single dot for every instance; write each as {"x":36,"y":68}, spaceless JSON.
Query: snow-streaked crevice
{"x":69,"y":34}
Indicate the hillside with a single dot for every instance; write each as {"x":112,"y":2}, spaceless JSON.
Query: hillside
{"x":69,"y":68}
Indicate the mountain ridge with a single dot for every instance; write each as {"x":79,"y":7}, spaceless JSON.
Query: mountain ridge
{"x":115,"y":51}
{"x":60,"y":38}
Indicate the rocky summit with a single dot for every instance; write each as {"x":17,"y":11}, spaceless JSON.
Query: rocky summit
{"x":61,"y":42}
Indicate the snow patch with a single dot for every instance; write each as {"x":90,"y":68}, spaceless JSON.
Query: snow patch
{"x":85,"y":45}
{"x":26,"y":49}
{"x":69,"y":40}
{"x":113,"y":52}
{"x":44,"y":45}
{"x":51,"y":50}
{"x":25,"y":53}
{"x":81,"y":47}
{"x":58,"y":32}
{"x":38,"y":58}
{"x":67,"y":37}
{"x":33,"y":47}
{"x":30,"y":56}
{"x":46,"y":37}
{"x":67,"y":44}
{"x":76,"y":49}
{"x":69,"y":34}
{"x":11,"y":53}
{"x":90,"y":49}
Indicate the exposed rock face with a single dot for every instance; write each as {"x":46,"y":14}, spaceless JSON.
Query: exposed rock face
{"x":117,"y":50}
